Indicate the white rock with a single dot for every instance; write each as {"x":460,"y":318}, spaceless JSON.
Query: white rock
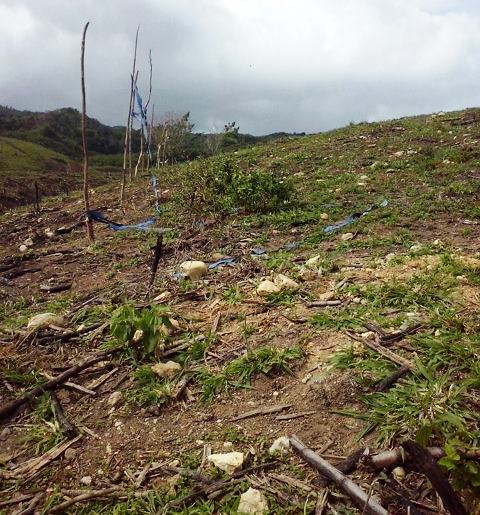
{"x":399,"y":473}
{"x":280,"y":445}
{"x":368,"y":335}
{"x":285,"y":283}
{"x":307,"y":274}
{"x":228,"y":462}
{"x":163,"y":297}
{"x":137,"y":336}
{"x":86,"y":480}
{"x":363,"y":177}
{"x":44,"y":320}
{"x":28,"y":242}
{"x":328,"y":295}
{"x":347,"y":236}
{"x":23,"y":248}
{"x":324,"y":216}
{"x":266,"y":288}
{"x":166,"y":370}
{"x":252,"y":502}
{"x":399,"y":153}
{"x":194,"y":270}
{"x":115,"y":399}
{"x":49,"y":233}
{"x":312,"y":263}
{"x":438,"y":243}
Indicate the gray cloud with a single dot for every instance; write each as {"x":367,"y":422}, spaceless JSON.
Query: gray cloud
{"x":294,"y":65}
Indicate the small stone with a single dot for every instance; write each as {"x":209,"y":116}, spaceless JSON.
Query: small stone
{"x":194,"y":270}
{"x":86,"y":480}
{"x":328,"y":295}
{"x":399,"y":153}
{"x":115,"y":399}
{"x":28,"y":242}
{"x":49,"y":233}
{"x":23,"y":249}
{"x":166,"y":370}
{"x":368,"y":335}
{"x":285,"y":283}
{"x":363,"y":177}
{"x":228,"y":462}
{"x":44,"y":320}
{"x":252,"y":502}
{"x":266,"y":288}
{"x":70,"y":453}
{"x":280,"y":445}
{"x":324,"y":216}
{"x":307,"y":274}
{"x":163,"y":297}
{"x":347,"y":236}
{"x":399,"y":473}
{"x":137,"y":336}
{"x":438,"y":243}
{"x":312,"y":263}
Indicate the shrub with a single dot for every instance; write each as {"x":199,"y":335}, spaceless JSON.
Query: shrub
{"x":220,"y":186}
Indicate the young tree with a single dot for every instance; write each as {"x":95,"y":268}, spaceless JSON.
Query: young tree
{"x":172,"y":136}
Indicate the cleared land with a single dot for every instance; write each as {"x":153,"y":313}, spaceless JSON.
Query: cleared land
{"x":414,"y":263}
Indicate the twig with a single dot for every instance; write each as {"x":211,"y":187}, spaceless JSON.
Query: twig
{"x":358,"y":496}
{"x":426,"y":464}
{"x":323,"y":303}
{"x":391,"y":379}
{"x":30,"y":468}
{"x":398,"y":335}
{"x":261,"y":411}
{"x":47,"y":288}
{"x":67,"y":428}
{"x":387,"y":353}
{"x":290,"y":416}
{"x":61,"y":508}
{"x":11,"y":406}
{"x":67,"y":335}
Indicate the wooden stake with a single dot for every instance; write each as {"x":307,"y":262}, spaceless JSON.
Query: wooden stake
{"x":358,"y":496}
{"x":89,"y":224}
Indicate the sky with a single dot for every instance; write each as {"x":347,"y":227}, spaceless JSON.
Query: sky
{"x":269,"y":65}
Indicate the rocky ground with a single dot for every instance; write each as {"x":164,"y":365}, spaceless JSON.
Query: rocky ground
{"x":291,"y":337}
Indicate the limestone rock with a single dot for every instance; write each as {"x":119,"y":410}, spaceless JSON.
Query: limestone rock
{"x":194,"y":270}
{"x":347,"y":236}
{"x":228,"y":462}
{"x":163,"y":297}
{"x":23,"y":248}
{"x":44,"y":320}
{"x":137,"y":336}
{"x":285,"y":283}
{"x":324,"y":216}
{"x":312,"y":263}
{"x":252,"y":502}
{"x":280,"y":445}
{"x":166,"y":370}
{"x":115,"y":399}
{"x":266,"y":288}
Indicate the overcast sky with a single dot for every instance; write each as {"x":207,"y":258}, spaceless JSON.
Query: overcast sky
{"x":270,"y":65}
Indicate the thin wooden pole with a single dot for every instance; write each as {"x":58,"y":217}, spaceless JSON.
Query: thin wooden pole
{"x":86,"y":197}
{"x":134,"y":80}
{"x":127,"y":146}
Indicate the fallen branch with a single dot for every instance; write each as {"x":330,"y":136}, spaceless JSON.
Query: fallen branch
{"x":261,"y":411}
{"x":30,"y":509}
{"x":66,"y":427}
{"x":30,"y":468}
{"x":346,"y":485}
{"x":92,"y":494}
{"x":425,"y":463}
{"x":157,"y":254}
{"x":323,"y":303}
{"x":399,"y":335}
{"x":391,"y":379}
{"x":11,"y":406}
{"x":47,"y":288}
{"x":387,"y":353}
{"x":67,"y":335}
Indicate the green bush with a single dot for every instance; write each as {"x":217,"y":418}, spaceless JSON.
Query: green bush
{"x":220,"y":186}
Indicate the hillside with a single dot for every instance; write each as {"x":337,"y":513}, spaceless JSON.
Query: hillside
{"x":22,"y":163}
{"x":369,"y":337}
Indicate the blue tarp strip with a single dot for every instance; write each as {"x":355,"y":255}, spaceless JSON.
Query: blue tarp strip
{"x":97,"y":216}
{"x":351,"y":219}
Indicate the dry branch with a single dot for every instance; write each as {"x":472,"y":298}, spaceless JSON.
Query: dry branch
{"x":11,"y":406}
{"x":358,"y":496}
{"x":67,"y":428}
{"x":425,"y":463}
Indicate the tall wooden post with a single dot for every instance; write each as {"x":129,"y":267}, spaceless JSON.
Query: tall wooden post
{"x":86,"y":197}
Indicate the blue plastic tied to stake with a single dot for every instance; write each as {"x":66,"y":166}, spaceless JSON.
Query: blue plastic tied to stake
{"x":352,"y":218}
{"x":97,"y":216}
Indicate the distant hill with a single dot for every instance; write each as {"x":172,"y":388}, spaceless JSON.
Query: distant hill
{"x":60,"y":130}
